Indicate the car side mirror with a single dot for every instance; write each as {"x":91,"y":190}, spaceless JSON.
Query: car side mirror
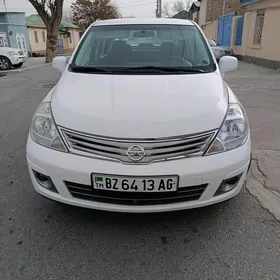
{"x":228,"y":64}
{"x":59,"y":63}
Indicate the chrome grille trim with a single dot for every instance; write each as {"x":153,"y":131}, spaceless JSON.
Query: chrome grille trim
{"x":155,"y":149}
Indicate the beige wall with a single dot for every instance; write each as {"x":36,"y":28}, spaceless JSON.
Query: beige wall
{"x":202,"y":12}
{"x":210,"y":29}
{"x":70,"y":45}
{"x":41,"y":45}
{"x":269,"y":47}
{"x":216,"y":8}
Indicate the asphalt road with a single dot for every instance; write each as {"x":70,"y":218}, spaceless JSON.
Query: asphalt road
{"x":40,"y":239}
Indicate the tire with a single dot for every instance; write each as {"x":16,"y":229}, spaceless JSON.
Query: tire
{"x":18,"y":65}
{"x":5,"y":63}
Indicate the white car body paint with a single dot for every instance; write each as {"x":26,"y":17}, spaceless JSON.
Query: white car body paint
{"x":139,"y":107}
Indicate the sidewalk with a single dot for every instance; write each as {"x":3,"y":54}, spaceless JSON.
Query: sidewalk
{"x":31,"y":63}
{"x":258,"y":89}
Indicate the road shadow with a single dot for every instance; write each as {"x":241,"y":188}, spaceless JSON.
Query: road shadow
{"x":88,"y":218}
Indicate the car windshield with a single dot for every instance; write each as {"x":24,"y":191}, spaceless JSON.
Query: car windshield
{"x":143,"y":48}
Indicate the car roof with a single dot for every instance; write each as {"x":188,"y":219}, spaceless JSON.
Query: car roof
{"x":151,"y":21}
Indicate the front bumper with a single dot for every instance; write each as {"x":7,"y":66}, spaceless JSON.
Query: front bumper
{"x":211,"y":170}
{"x":17,"y":59}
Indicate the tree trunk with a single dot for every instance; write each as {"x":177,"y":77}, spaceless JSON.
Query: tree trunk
{"x":51,"y":45}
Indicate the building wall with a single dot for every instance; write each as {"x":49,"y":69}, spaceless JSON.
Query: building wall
{"x":215,"y":8}
{"x":4,"y":35}
{"x":269,"y":48}
{"x":70,"y":45}
{"x":40,"y":46}
{"x":211,"y":29}
{"x":14,"y":25}
{"x":202,"y":12}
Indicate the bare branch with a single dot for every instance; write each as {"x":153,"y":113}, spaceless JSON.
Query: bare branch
{"x":177,"y":7}
{"x":166,"y":10}
{"x":39,"y":7}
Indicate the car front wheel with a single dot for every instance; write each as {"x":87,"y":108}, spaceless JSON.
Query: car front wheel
{"x":18,"y":65}
{"x":5,"y":63}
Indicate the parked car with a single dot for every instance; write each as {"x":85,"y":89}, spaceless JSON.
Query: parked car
{"x":135,"y":129}
{"x":11,"y":57}
{"x":218,"y":51}
{"x":227,"y":50}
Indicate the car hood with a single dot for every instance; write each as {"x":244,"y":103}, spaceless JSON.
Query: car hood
{"x":140,"y":106}
{"x":7,"y":49}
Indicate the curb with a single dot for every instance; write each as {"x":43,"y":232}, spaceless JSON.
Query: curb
{"x":267,"y":198}
{"x":256,"y":184}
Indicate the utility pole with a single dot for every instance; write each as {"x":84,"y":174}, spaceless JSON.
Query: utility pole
{"x":159,"y":8}
{"x":5,"y":7}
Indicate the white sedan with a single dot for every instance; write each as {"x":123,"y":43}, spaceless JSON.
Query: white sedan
{"x":136,"y":129}
{"x":11,"y":57}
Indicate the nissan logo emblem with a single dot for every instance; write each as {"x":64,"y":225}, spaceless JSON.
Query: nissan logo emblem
{"x":135,"y":152}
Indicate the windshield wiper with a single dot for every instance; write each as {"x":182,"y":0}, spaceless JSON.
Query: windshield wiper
{"x":165,"y":69}
{"x":88,"y":69}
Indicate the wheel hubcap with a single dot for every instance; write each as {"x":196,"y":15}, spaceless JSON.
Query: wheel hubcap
{"x":3,"y":63}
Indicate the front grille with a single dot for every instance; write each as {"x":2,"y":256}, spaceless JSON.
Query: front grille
{"x":21,"y":53}
{"x":155,"y":149}
{"x":87,"y":192}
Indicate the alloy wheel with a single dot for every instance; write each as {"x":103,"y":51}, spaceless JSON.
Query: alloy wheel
{"x":4,"y":63}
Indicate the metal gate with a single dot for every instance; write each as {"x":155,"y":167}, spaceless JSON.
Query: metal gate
{"x":225,"y":29}
{"x":59,"y":46}
{"x":239,"y":32}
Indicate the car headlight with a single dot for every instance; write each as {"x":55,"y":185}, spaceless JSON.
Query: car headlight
{"x":43,"y":129}
{"x":233,"y":132}
{"x":13,"y":53}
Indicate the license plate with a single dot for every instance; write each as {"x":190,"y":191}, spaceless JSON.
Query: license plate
{"x":135,"y":184}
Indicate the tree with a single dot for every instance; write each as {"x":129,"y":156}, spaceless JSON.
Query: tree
{"x":50,"y":12}
{"x":85,"y":12}
{"x":177,"y":7}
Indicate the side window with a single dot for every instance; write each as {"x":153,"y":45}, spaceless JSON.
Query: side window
{"x":44,"y":36}
{"x":36,"y":37}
